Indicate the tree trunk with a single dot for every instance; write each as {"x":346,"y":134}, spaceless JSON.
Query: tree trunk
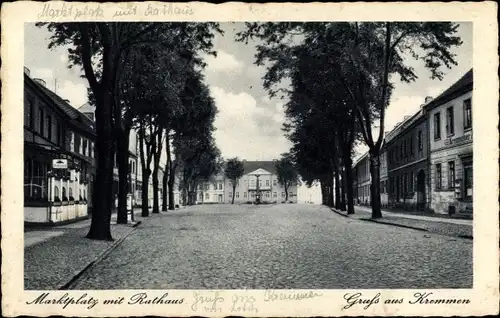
{"x":336,"y":181}
{"x":171,"y":182}
{"x":234,"y":189}
{"x":156,"y":189}
{"x":286,"y":193}
{"x":375,"y":184}
{"x":102,"y":196}
{"x":324,"y":195}
{"x":164,"y":199}
{"x":144,"y":195}
{"x":343,"y":185}
{"x":330,"y":193}
{"x":349,"y":184}
{"x":122,"y":143}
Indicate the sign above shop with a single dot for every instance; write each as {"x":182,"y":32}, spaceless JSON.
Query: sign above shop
{"x":457,"y":140}
{"x":60,"y":163}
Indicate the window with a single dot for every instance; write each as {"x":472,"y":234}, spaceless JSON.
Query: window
{"x":451,"y":174}
{"x":244,"y":194}
{"x":420,"y":140}
{"x":230,"y":194}
{"x":401,"y":151}
{"x":220,"y":186}
{"x":40,"y":120}
{"x":237,"y":194}
{"x":468,"y":180}
{"x":267,"y":183}
{"x":450,"y":127}
{"x":72,"y":142}
{"x":275,"y":195}
{"x":49,"y":127}
{"x":411,"y":146}
{"x":252,"y":195}
{"x":207,"y":196}
{"x":252,"y":183}
{"x":405,"y":150}
{"x":410,"y":185}
{"x":405,"y":183}
{"x":260,"y":183}
{"x":467,"y":114}
{"x":275,"y":183}
{"x":28,"y":114}
{"x":439,"y":180}
{"x":267,"y":194}
{"x":437,"y":126}
{"x":201,"y":196}
{"x":207,"y":186}
{"x":282,"y":194}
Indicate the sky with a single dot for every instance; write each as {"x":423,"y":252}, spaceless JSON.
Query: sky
{"x":248,"y":122}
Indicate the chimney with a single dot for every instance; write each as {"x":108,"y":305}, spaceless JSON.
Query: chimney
{"x":422,"y":106}
{"x":40,"y":81}
{"x":428,"y":99}
{"x":67,"y":101}
{"x":26,"y":71}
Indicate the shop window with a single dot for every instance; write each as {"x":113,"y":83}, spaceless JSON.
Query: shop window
{"x":57,"y":197}
{"x":64,"y":197}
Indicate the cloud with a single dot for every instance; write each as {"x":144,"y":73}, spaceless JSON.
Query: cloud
{"x":246,"y":130}
{"x":75,"y":93}
{"x":224,"y":62}
{"x":45,"y":74}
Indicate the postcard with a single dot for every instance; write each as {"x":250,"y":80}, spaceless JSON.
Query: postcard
{"x":243,"y":159}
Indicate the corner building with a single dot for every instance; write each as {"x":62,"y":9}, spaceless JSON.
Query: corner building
{"x":450,"y":135}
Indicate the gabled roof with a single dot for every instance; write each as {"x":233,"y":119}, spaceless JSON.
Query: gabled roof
{"x":251,"y":166}
{"x":463,"y":85}
{"x":77,"y":119}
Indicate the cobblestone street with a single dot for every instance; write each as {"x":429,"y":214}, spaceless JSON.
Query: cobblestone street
{"x":279,"y":246}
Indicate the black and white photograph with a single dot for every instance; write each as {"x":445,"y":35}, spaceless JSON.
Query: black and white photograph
{"x":292,"y":157}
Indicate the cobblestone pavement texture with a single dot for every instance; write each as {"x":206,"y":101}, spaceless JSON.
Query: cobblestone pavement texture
{"x":277,"y":247}
{"x":432,"y":226}
{"x":55,"y":260}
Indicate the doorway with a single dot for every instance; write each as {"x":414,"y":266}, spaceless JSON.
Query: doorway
{"x":220,"y":198}
{"x":421,"y":198}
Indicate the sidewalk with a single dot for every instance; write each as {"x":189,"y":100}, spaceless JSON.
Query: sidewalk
{"x":445,"y":226}
{"x":53,"y":256}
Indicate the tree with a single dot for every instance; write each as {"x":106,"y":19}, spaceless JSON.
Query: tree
{"x":287,"y":174}
{"x":100,"y":49}
{"x":234,"y":171}
{"x":363,"y":56}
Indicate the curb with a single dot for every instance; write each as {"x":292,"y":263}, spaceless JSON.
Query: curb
{"x":395,"y":224}
{"x":103,"y":255}
{"x":340,"y":213}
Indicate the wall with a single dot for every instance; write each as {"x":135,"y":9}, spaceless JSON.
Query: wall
{"x":455,"y":148}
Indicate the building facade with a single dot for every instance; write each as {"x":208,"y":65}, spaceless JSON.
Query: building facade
{"x":363,"y":180}
{"x":408,"y":174}
{"x":449,"y":118}
{"x":58,"y":157}
{"x":260,"y":179}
